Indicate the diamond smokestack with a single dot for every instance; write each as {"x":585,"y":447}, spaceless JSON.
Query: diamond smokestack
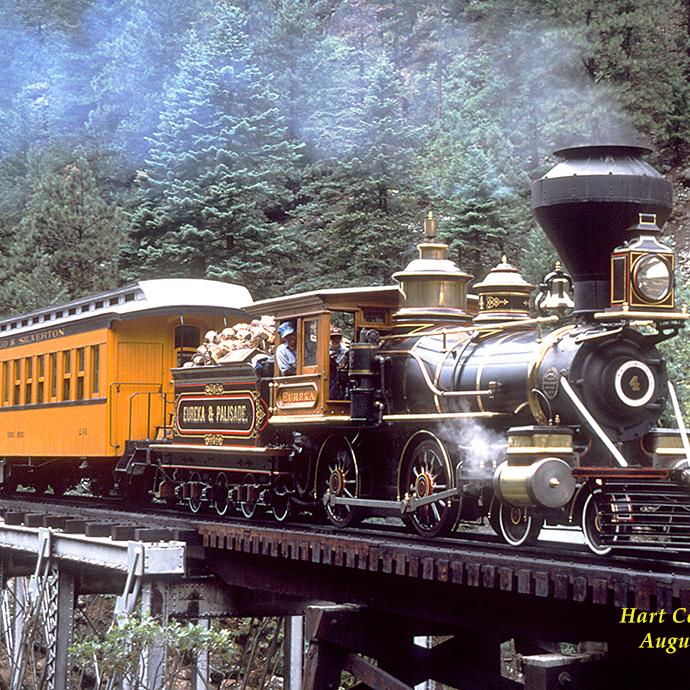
{"x":586,"y":202}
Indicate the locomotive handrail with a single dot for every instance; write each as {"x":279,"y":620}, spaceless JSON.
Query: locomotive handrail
{"x":437,"y":391}
{"x":679,"y":418}
{"x":580,"y":406}
{"x":501,"y":326}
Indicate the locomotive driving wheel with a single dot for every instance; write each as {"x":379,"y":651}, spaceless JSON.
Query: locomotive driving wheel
{"x":518,"y":525}
{"x":339,"y":476}
{"x":426,"y":469}
{"x":281,"y":505}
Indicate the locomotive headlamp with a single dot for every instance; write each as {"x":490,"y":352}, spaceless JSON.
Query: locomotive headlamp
{"x":652,"y":278}
{"x":642,"y":273}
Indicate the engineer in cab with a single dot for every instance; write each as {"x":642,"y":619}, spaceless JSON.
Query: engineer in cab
{"x":286,"y":352}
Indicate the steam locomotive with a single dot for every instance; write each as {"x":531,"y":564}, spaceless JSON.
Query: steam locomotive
{"x":457,"y":406}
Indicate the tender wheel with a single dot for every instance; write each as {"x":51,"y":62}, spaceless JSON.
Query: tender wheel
{"x":221,"y":495}
{"x":593,"y":524}
{"x":427,"y":469}
{"x":282,"y":506}
{"x":195,"y":487}
{"x":248,"y":507}
{"x":339,"y":475}
{"x":517,"y":525}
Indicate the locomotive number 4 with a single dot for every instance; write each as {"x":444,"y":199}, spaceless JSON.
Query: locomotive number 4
{"x":635,"y":383}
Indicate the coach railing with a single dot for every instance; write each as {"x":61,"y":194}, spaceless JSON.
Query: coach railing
{"x":115,"y":388}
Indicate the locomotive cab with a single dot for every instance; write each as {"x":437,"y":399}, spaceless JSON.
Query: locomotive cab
{"x":318,"y":391}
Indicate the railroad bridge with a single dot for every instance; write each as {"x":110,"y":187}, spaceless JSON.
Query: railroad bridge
{"x":367,"y":597}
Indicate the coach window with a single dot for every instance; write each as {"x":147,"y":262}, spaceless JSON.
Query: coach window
{"x":95,"y":368}
{"x":53,"y":376}
{"x":40,"y":378}
{"x":5,"y":383}
{"x":16,"y":398}
{"x":187,"y":339}
{"x":80,"y":373}
{"x":28,"y":380}
{"x":66,"y":374}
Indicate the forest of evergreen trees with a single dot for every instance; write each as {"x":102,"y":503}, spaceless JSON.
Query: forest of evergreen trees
{"x":290,"y":144}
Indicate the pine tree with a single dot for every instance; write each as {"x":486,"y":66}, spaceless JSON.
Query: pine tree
{"x":67,"y":241}
{"x":222,"y":169}
{"x":360,"y":210}
{"x":471,"y":170}
{"x":138,"y":48}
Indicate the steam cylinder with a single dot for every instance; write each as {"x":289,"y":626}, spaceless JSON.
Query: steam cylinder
{"x":585,"y":204}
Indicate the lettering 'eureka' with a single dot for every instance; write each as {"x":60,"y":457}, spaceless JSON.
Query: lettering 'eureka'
{"x":300,"y":395}
{"x":669,"y":643}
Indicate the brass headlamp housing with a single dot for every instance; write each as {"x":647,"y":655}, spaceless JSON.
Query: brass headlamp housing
{"x":642,"y":277}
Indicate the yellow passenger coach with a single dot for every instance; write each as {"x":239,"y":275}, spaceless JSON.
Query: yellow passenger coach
{"x":80,"y":380}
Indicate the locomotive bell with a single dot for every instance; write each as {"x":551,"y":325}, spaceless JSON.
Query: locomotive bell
{"x":554,"y":294}
{"x":503,"y":295}
{"x":433,"y":287}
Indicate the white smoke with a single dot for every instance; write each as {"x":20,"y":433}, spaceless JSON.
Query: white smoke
{"x":477,"y":447}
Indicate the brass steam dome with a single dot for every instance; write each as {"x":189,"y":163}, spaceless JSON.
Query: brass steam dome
{"x":433,"y":287}
{"x":503,"y":295}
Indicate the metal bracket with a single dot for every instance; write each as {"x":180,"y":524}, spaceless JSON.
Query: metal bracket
{"x":45,"y":550}
{"x":124,"y":606}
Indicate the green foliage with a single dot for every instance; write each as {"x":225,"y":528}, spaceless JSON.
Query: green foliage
{"x":221,"y":168}
{"x":120,"y":651}
{"x":242,"y":652}
{"x":68,"y":237}
{"x":357,"y":196}
{"x":676,"y":351}
{"x":290,"y":144}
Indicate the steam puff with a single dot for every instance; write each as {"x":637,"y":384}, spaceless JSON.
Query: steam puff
{"x":475,"y":446}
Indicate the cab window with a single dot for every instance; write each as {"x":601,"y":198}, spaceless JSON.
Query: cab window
{"x":341,"y":336}
{"x":310,"y":341}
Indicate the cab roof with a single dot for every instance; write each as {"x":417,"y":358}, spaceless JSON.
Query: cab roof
{"x":387,"y":296}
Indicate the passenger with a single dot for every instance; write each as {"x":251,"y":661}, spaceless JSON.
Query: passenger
{"x":286,"y":354}
{"x":339,"y":361}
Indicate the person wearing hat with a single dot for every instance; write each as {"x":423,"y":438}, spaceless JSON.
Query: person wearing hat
{"x":339,"y":360}
{"x":286,"y":353}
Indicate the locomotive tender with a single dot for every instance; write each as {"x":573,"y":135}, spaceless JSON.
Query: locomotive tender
{"x":457,"y":406}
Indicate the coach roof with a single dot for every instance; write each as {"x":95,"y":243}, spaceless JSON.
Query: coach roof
{"x":169,"y":295}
